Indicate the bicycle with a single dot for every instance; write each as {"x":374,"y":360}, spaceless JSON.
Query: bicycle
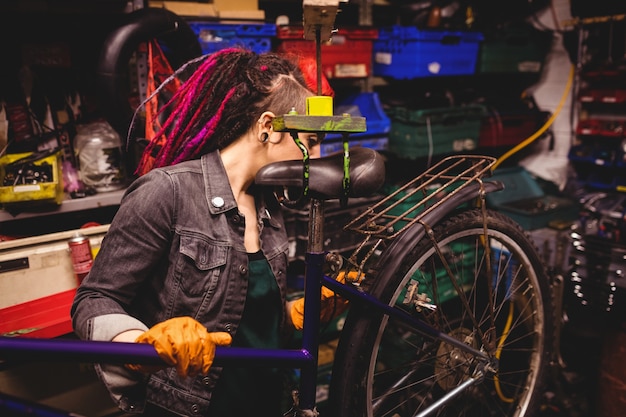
{"x":451,"y":313}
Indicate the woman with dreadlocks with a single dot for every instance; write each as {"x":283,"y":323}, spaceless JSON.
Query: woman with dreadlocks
{"x":196,"y":256}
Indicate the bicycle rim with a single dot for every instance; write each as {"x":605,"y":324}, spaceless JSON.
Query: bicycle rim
{"x":493,"y":298}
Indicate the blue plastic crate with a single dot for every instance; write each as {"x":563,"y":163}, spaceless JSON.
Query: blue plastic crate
{"x":377,"y":123}
{"x":214,"y":37}
{"x":595,"y":154}
{"x":334,"y":146}
{"x":364,"y":105}
{"x":405,"y":52}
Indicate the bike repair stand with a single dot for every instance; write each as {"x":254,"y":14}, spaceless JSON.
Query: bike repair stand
{"x":318,"y":19}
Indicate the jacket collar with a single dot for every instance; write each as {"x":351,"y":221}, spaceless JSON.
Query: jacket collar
{"x":219,"y":196}
{"x":218,"y":193}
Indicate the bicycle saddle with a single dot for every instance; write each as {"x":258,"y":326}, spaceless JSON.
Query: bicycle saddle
{"x":367,"y":174}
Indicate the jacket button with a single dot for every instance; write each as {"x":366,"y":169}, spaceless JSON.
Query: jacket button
{"x":243,"y":270}
{"x":228,"y":327}
{"x":195,"y":409}
{"x":236,"y":218}
{"x":218,"y":202}
{"x":206,"y":380}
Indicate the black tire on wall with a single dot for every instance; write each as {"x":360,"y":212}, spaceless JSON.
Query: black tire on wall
{"x":113,"y":79}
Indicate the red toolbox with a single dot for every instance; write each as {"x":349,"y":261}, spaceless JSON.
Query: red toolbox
{"x":509,"y":127}
{"x":348,"y":54}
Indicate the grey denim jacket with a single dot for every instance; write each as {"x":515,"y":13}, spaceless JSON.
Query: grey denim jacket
{"x":175,"y":248}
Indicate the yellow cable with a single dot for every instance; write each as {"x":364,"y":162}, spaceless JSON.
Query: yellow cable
{"x":543,"y":128}
{"x":505,"y":334}
{"x":522,"y":145}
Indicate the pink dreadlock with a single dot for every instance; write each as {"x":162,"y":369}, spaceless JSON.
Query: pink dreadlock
{"x":220,"y":101}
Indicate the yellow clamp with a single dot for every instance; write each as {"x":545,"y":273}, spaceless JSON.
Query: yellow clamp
{"x":319,"y":106}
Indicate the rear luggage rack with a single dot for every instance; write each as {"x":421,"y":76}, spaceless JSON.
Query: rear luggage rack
{"x":410,"y":203}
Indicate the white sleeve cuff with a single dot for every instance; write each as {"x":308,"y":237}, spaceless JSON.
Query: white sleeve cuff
{"x":106,"y":327}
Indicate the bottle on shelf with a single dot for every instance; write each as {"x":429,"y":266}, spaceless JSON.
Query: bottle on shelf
{"x":100,"y":156}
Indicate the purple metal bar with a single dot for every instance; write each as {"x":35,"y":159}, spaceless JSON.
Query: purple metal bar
{"x":310,"y":332}
{"x":354,"y":295}
{"x":32,"y":350}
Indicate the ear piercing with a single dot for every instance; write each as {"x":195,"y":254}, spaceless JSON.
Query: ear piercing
{"x":264,"y":137}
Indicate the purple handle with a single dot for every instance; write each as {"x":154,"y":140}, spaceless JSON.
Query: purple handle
{"x":32,"y":350}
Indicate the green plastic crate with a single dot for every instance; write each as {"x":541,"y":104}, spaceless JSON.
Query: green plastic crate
{"x":524,"y":200}
{"x":439,"y":131}
{"x":515,"y":49}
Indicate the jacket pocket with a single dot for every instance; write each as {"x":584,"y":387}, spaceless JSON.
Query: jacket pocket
{"x":200,"y":264}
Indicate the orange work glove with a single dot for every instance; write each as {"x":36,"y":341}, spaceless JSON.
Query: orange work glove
{"x":185,"y":343}
{"x":332,"y":304}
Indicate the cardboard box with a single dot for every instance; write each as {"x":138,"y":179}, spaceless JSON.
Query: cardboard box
{"x":221,"y":9}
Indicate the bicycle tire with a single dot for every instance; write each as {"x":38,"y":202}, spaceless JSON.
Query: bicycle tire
{"x":377,"y":355}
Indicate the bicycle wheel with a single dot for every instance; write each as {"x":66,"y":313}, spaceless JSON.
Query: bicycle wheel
{"x":495,"y":300}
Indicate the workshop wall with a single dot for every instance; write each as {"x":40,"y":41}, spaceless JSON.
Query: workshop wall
{"x":554,"y":93}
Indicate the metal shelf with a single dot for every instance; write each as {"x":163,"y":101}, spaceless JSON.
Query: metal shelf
{"x":112,"y":198}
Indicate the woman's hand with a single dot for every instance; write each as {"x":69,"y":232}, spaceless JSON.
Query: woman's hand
{"x":332,"y":305}
{"x":184,"y":343}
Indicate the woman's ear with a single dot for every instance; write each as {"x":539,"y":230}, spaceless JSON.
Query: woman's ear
{"x":266,"y":120}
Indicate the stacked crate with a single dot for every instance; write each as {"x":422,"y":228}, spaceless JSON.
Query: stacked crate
{"x":406,"y":52}
{"x":348,"y":54}
{"x":418,"y":133}
{"x":217,"y":36}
